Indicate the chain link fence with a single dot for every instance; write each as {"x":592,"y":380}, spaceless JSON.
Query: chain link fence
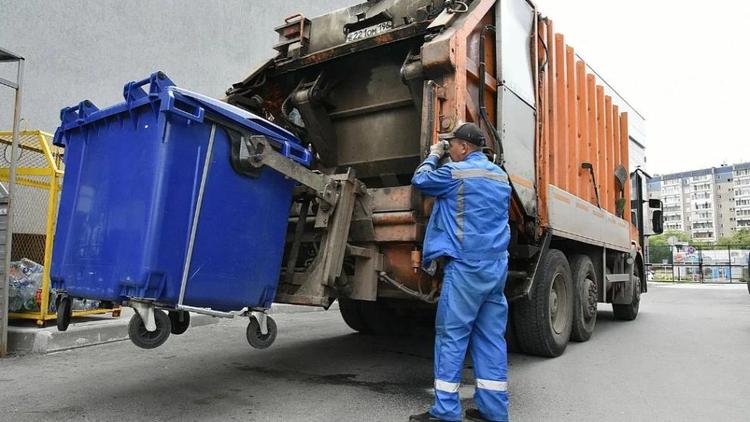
{"x":32,"y":201}
{"x":702,"y":263}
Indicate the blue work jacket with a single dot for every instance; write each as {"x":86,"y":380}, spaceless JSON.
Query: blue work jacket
{"x":470,"y":217}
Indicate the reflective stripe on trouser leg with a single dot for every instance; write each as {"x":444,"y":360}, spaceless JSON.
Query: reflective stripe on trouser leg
{"x":492,"y":385}
{"x":489,"y":354}
{"x":447,"y":387}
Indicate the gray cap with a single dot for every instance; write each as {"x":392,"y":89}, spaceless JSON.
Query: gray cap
{"x":468,"y":132}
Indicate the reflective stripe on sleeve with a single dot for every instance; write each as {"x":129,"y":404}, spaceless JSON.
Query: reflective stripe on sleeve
{"x":448,"y":387}
{"x":460,"y":214}
{"x":475,"y":173}
{"x":492,"y":385}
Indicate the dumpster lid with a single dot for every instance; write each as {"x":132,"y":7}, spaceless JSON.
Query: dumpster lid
{"x":243,"y":117}
{"x":161,"y":89}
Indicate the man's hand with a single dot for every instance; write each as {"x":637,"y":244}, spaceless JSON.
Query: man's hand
{"x":439,"y":149}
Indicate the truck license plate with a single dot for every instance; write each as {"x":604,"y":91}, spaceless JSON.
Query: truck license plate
{"x":368,"y":32}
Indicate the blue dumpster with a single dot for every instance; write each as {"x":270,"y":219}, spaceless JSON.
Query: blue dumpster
{"x":155,"y":201}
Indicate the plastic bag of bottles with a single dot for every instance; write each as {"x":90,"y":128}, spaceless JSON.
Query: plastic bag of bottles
{"x":85,"y":304}
{"x":24,"y":279}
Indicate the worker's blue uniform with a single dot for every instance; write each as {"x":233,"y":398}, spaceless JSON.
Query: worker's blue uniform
{"x":469,"y":226}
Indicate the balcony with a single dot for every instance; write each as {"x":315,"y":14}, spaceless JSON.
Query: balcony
{"x":704,"y":236}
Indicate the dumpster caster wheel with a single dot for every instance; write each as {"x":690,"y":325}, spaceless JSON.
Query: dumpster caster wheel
{"x":257,"y":339}
{"x":64,"y":312}
{"x":145,"y":339}
{"x":180,"y":321}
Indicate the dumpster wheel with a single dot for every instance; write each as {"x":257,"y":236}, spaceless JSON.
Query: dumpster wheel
{"x":254,"y":335}
{"x":145,"y":339}
{"x":64,"y":312}
{"x":180,"y":321}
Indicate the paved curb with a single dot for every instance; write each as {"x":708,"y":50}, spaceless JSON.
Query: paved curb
{"x":102,"y":330}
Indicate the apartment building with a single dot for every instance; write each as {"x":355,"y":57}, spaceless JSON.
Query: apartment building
{"x":708,"y":203}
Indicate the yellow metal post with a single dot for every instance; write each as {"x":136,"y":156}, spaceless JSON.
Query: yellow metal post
{"x":50,"y":232}
{"x":29,"y":173}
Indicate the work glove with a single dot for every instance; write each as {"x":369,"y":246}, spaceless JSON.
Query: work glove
{"x":439,"y":149}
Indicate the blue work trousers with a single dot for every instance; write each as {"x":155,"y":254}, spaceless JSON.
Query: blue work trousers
{"x":472,"y":313}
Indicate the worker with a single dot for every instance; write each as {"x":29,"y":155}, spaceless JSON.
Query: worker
{"x":468,"y":230}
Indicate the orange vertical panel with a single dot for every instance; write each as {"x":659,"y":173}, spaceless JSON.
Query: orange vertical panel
{"x":551,"y":103}
{"x":625,"y":145}
{"x":601,"y":164}
{"x":609,"y":145}
{"x":592,"y":140}
{"x":617,"y":159}
{"x":583,"y":132}
{"x":572,"y":172}
{"x":561,"y":133}
{"x":616,"y":135}
{"x":542,"y":153}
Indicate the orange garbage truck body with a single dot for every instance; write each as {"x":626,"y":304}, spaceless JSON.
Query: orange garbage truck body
{"x":370,"y":87}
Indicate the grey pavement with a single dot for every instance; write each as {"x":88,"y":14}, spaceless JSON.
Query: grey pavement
{"x":25,"y":337}
{"x":684,"y":359}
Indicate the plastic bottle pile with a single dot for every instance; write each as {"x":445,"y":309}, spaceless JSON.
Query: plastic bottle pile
{"x":25,"y":279}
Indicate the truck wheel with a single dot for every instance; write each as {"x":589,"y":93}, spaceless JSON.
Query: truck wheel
{"x":382,"y":320}
{"x":352,"y":315}
{"x":180,"y":321}
{"x":511,"y":339}
{"x":149,"y":339}
{"x":630,"y":311}
{"x":543,"y":323}
{"x":585,"y":297}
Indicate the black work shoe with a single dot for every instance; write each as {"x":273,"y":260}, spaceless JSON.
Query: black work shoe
{"x":424,"y":417}
{"x":475,"y":415}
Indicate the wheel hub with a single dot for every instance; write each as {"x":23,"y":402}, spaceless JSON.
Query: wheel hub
{"x":558,"y":305}
{"x":589,"y":290}
{"x":553,"y":304}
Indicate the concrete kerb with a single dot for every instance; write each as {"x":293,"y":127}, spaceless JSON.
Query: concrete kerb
{"x":104,"y":329}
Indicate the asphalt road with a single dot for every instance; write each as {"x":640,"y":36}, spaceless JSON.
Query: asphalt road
{"x":686,"y":357}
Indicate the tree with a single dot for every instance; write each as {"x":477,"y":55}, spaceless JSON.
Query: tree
{"x":660,"y":250}
{"x":738,"y":238}
{"x":663,"y":239}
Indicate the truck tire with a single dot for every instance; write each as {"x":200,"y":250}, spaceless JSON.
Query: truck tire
{"x":544,"y":321}
{"x":382,"y":320}
{"x":586,"y":297}
{"x":630,"y":311}
{"x":351,"y":312}
{"x":511,"y":339}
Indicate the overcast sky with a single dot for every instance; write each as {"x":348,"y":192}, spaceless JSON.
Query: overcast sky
{"x":684,"y":65}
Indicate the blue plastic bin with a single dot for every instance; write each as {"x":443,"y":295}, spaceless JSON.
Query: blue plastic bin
{"x":133,"y":176}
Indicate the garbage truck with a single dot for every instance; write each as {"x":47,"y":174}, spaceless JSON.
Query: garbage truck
{"x":370,"y":87}
{"x":366,"y":90}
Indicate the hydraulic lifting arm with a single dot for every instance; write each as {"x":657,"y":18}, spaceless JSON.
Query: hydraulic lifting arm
{"x":338,"y":195}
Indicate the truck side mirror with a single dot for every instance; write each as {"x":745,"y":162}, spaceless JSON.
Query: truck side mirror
{"x":657,"y":222}
{"x":654,"y":203}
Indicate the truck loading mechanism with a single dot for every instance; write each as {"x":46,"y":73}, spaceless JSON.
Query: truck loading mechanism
{"x":370,"y":87}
